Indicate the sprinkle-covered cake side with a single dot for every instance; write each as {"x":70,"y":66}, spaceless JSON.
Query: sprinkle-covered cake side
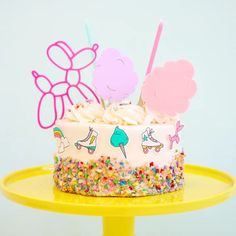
{"x":108,"y":176}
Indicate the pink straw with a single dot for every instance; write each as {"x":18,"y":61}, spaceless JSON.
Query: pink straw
{"x":154,"y":49}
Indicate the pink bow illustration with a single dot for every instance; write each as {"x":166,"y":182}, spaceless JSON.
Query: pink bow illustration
{"x":72,"y":63}
{"x":175,"y":137}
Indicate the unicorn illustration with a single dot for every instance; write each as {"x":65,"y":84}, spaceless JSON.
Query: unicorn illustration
{"x":72,"y":63}
{"x":62,"y":140}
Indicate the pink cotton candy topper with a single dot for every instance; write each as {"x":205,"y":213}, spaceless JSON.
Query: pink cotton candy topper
{"x":167,"y":89}
{"x":114,"y":76}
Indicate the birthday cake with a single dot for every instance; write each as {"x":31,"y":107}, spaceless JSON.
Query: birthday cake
{"x":107,"y":146}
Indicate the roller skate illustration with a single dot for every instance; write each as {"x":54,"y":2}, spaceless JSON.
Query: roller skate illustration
{"x":89,"y":142}
{"x":148,"y":142}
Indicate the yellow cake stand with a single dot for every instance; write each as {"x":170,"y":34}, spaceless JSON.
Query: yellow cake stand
{"x":34,"y":187}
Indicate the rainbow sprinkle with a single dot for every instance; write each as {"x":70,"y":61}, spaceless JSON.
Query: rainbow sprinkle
{"x":109,"y":177}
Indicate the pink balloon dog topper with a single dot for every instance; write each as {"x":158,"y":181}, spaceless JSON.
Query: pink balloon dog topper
{"x":72,"y":63}
{"x":167,"y":89}
{"x":114,"y":76}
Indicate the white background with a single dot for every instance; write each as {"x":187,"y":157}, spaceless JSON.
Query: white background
{"x":202,"y":31}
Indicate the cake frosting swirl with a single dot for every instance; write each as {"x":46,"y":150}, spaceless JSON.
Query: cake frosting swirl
{"x":164,"y":119}
{"x":87,"y":112}
{"x":116,"y":114}
{"x":124,"y":114}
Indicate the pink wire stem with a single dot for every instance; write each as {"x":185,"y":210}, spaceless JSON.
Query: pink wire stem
{"x":79,"y":90}
{"x":39,"y":112}
{"x":62,"y":108}
{"x":154,"y":49}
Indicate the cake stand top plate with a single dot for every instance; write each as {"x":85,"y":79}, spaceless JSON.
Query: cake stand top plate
{"x":34,"y":187}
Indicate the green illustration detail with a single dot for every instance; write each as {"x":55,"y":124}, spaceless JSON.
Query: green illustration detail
{"x":145,"y":138}
{"x":119,"y":139}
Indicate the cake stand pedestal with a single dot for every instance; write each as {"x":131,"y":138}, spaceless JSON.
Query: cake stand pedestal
{"x":34,"y":187}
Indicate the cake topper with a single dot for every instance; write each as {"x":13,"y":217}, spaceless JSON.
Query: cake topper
{"x":167,"y":90}
{"x":114,"y":77}
{"x":154,"y":49}
{"x":72,"y":63}
{"x":90,"y":40}
{"x":153,"y":54}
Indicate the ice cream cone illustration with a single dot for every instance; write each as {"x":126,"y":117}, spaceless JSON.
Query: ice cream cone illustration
{"x":149,"y":142}
{"x":119,"y":139}
{"x":89,"y":142}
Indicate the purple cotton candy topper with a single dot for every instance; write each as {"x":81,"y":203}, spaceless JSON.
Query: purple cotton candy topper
{"x":114,"y":77}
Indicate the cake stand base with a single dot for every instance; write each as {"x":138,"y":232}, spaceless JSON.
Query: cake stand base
{"x":117,"y":226}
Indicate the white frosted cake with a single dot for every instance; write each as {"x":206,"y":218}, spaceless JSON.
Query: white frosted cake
{"x":116,"y":152}
{"x":107,"y":146}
